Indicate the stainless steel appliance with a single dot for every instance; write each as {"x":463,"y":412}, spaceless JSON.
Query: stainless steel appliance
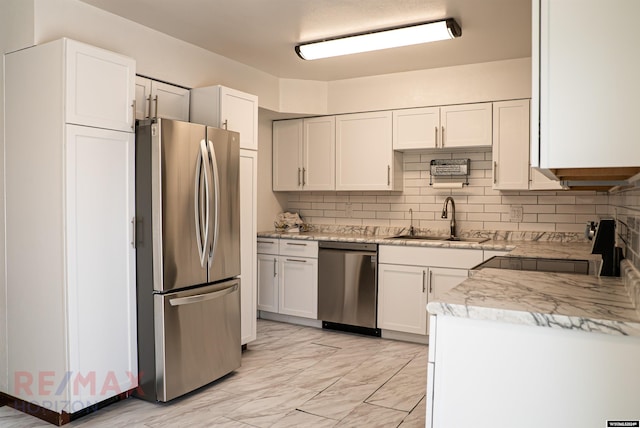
{"x":188,"y":256}
{"x":603,"y":235}
{"x":536,"y":264}
{"x":347,"y":286}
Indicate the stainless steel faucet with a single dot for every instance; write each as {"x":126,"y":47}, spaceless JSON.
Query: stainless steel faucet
{"x":453,"y":214}
{"x":412,"y":230}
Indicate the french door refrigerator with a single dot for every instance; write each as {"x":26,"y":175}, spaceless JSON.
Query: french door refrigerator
{"x":188,"y":256}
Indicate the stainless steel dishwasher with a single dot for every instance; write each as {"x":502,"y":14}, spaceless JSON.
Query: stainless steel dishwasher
{"x":348,"y":286}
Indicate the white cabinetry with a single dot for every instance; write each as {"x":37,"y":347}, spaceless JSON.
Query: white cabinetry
{"x":408,"y":277}
{"x":227,"y":108}
{"x":586,"y":65}
{"x":70,"y":264}
{"x":248,"y":250}
{"x":304,"y":154}
{"x":288,"y":277}
{"x":365,"y":159}
{"x":457,"y":126}
{"x":511,"y":170}
{"x":159,"y":99}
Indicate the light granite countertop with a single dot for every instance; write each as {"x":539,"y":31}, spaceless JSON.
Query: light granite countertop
{"x":556,"y":300}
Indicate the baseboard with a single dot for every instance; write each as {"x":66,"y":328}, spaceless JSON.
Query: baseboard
{"x":290,"y":319}
{"x":405,"y":337}
{"x":52,"y":417}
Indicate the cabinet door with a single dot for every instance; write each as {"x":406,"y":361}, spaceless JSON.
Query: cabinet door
{"x":319,"y":153}
{"x":100,"y":87}
{"x":287,"y":155}
{"x":143,"y":94}
{"x":169,"y":101}
{"x":442,"y":280}
{"x":511,"y":145}
{"x":100,"y":258}
{"x":239,"y":113}
{"x":364,"y":151}
{"x":589,"y":86}
{"x":402,"y":298}
{"x":248,"y":244}
{"x":298,"y":285}
{"x":416,"y":128}
{"x":268,"y":282}
{"x":467,"y":125}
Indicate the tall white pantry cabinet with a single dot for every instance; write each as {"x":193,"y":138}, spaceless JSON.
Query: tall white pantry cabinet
{"x":70,"y":263}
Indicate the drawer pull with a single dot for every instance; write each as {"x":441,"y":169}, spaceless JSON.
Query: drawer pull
{"x":295,"y":243}
{"x":295,"y":260}
{"x":266,"y":242}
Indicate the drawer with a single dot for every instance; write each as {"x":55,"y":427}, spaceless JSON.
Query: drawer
{"x":268,"y":245}
{"x":428,"y":256}
{"x":299,"y":248}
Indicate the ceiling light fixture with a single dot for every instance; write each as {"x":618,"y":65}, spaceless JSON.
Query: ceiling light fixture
{"x":382,"y":39}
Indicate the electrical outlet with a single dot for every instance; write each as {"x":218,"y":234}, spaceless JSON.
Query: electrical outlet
{"x":516,"y":214}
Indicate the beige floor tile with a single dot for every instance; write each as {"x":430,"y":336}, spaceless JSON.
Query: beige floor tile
{"x":298,"y":419}
{"x":369,"y":416}
{"x":338,"y":400}
{"x":417,"y":417}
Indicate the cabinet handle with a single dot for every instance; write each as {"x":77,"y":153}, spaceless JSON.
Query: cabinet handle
{"x":225,"y":123}
{"x":148,"y":115}
{"x":424,"y":275}
{"x":133,"y":232}
{"x":133,"y":115}
{"x":156,"y":100}
{"x":388,"y":175}
{"x":442,"y":145}
{"x":495,"y":172}
{"x":304,"y":181}
{"x":436,"y":128}
{"x":275,"y":267}
{"x":430,"y":281}
{"x":266,"y":242}
{"x":295,"y":243}
{"x":299,"y":181}
{"x":296,"y":260}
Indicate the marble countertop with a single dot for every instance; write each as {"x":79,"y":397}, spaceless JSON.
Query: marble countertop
{"x":548,"y":249}
{"x":556,"y":300}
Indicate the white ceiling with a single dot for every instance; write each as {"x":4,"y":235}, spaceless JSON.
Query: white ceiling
{"x":263,"y":33}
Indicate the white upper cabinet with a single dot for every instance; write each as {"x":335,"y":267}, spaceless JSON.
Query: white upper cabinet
{"x":586,"y":65}
{"x":365,"y":159}
{"x":319,"y":153}
{"x":466,"y":125}
{"x":416,"y":128}
{"x":227,"y":108}
{"x":304,"y":154}
{"x":511,"y":170}
{"x":287,"y":155}
{"x":99,"y":87}
{"x":159,"y":99}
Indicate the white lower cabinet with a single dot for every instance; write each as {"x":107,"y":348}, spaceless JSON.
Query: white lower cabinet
{"x":402,"y":298}
{"x":406,"y":283}
{"x":288,"y":277}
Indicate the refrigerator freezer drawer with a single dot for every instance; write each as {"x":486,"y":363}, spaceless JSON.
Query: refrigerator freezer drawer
{"x":197,"y":337}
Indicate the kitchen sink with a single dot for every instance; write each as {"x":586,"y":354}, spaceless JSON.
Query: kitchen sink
{"x":438,"y":238}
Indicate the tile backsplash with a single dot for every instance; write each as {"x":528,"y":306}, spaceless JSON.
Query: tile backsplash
{"x":478,"y":206}
{"x":626,"y":207}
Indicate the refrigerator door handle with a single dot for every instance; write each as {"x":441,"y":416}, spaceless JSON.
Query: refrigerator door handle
{"x":201,"y":208}
{"x":203,"y":297}
{"x":216,"y":200}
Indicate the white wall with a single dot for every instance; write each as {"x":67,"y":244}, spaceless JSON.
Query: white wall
{"x":157,"y":55}
{"x":269,"y":203}
{"x":16,"y":32}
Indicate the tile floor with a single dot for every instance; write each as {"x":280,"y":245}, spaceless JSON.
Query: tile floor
{"x":292,"y":376}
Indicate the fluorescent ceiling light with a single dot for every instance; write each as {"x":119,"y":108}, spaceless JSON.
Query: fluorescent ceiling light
{"x":383,"y":39}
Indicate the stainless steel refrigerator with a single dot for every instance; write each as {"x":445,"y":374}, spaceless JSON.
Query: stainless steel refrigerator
{"x":188,"y":256}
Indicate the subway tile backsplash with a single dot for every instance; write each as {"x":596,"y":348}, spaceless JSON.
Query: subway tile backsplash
{"x":478,"y":206}
{"x":626,"y":208}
